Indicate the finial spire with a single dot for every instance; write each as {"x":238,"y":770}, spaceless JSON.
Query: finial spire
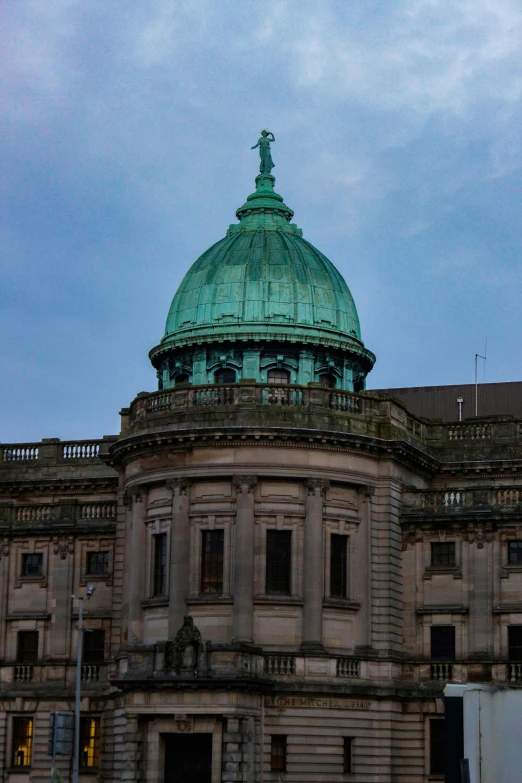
{"x":266,"y":163}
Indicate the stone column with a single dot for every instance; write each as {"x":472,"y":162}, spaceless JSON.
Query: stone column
{"x":179,"y":572}
{"x":138,"y":550}
{"x":243,"y":623}
{"x":364,"y":570}
{"x":313,"y":582}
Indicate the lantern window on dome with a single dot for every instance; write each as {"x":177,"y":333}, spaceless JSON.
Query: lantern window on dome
{"x":225,"y":375}
{"x":278,"y":376}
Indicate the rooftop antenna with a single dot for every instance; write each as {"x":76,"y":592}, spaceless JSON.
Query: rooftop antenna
{"x":477,"y":357}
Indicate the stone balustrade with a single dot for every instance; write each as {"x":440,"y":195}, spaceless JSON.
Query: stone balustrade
{"x":52,"y":451}
{"x":42,"y":515}
{"x":455,"y":500}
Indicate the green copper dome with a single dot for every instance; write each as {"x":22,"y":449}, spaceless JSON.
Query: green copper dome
{"x":263,"y":281}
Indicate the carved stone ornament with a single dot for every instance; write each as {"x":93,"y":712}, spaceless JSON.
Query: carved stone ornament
{"x":313,"y":484}
{"x":186,"y":648}
{"x":4,"y":548}
{"x":244,"y":481}
{"x":369,"y":491}
{"x":409,"y":536}
{"x":184,"y":723}
{"x":480,"y":532}
{"x":136,"y":494}
{"x":178,"y":486}
{"x":127,"y":499}
{"x":63,"y":546}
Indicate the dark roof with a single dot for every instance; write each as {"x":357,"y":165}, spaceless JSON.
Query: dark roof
{"x":440,"y":402}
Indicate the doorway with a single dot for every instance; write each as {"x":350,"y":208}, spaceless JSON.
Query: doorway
{"x":188,"y":757}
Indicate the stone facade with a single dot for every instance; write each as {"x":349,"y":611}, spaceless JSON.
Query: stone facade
{"x":332,"y":675}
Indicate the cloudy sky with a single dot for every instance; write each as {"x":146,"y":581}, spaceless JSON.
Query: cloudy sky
{"x":127,"y":129}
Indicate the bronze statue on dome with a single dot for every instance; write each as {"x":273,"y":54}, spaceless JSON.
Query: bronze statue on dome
{"x":266,"y":163}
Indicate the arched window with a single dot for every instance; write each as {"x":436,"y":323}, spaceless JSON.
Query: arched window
{"x":278,"y":376}
{"x":328,"y":380}
{"x":181,"y":379}
{"x":225,"y":376}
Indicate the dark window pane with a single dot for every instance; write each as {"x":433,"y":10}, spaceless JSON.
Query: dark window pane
{"x":443,"y":642}
{"x":278,"y":753}
{"x":278,"y":376}
{"x":515,"y":642}
{"x":32,"y":565}
{"x":225,"y":376}
{"x":515,"y":552}
{"x":93,"y":646}
{"x":159,"y":585}
{"x":27,"y":647}
{"x":327,"y":380}
{"x":22,"y":742}
{"x":436,"y":746}
{"x":89,"y":742}
{"x":181,"y":379}
{"x":347,"y":754}
{"x":212,"y":561}
{"x":97,"y":563}
{"x":278,"y":561}
{"x":338,"y":566}
{"x":443,"y":554}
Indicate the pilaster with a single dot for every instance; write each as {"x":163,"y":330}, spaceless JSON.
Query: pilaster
{"x":312,"y":637}
{"x":138,"y":497}
{"x":179,"y":554}
{"x":243,"y":618}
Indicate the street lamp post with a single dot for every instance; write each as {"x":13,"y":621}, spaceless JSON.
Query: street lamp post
{"x":76,"y":760}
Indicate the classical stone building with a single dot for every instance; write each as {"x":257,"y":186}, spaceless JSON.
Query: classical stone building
{"x":288,"y":569}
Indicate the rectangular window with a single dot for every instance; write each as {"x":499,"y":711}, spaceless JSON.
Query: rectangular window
{"x":278,"y":561}
{"x":159,"y":585}
{"x":22,"y":742}
{"x":443,"y":553}
{"x":212,"y":561}
{"x":93,"y":646}
{"x":278,"y":753}
{"x":347,"y":754}
{"x":437,"y":746}
{"x":514,"y":552}
{"x":32,"y":565}
{"x":89,"y":742}
{"x":443,"y":642}
{"x":27,"y":647}
{"x":515,"y":642}
{"x":97,"y":563}
{"x":338,"y":566}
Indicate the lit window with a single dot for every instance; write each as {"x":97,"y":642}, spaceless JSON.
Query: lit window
{"x":278,"y":376}
{"x":347,"y":754}
{"x":443,"y":554}
{"x":278,"y":753}
{"x":212,"y":561}
{"x":22,"y":742}
{"x":97,"y":563}
{"x":443,"y":642}
{"x":27,"y":647}
{"x":32,"y":565}
{"x":514,"y":552}
{"x":89,"y":742}
{"x":278,"y":561}
{"x":338,"y":566}
{"x":225,"y":376}
{"x":437,"y":746}
{"x":159,"y":582}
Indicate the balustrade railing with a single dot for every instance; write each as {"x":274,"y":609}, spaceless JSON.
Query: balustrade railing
{"x":476,"y":431}
{"x":509,"y":497}
{"x":34,"y":513}
{"x":91,"y":672}
{"x":23,"y":672}
{"x":98,"y":511}
{"x":213,"y":395}
{"x":442,"y":672}
{"x":279,"y":664}
{"x":20,"y":453}
{"x":347,"y":667}
{"x":515,"y":672}
{"x":346,"y":401}
{"x":80,"y":450}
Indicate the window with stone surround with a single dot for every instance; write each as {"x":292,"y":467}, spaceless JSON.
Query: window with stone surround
{"x":515,"y":642}
{"x":338,"y":566}
{"x":278,"y":376}
{"x":27,"y":647}
{"x":347,"y":755}
{"x":514,"y":553}
{"x":225,"y":375}
{"x":89,"y":742}
{"x":443,"y":642}
{"x":159,"y":573}
{"x":443,"y":553}
{"x":212,"y":548}
{"x":32,"y":564}
{"x":278,"y":752}
{"x":22,"y":742}
{"x":97,"y":563}
{"x":328,"y":380}
{"x":436,"y":755}
{"x":278,"y":561}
